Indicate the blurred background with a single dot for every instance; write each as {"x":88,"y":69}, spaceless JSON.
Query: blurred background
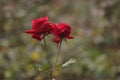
{"x":96,"y":44}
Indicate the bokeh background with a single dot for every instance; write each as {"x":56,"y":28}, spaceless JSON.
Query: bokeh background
{"x":96,"y":44}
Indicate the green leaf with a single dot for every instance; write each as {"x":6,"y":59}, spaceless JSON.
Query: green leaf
{"x":68,"y":63}
{"x":39,"y":67}
{"x":58,"y":66}
{"x":45,"y":67}
{"x":32,"y":66}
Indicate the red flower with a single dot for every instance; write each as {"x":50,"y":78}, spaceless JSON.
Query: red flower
{"x":62,"y":31}
{"x":40,"y":27}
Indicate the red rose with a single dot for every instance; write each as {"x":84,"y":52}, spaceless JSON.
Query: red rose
{"x":40,"y":27}
{"x":62,"y":31}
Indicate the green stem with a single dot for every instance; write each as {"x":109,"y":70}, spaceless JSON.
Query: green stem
{"x":47,"y":58}
{"x":59,"y":46}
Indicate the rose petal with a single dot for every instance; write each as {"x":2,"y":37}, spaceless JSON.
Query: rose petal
{"x":57,"y":40}
{"x":36,"y":23}
{"x":31,"y":31}
{"x":62,"y":30}
{"x":38,"y":37}
{"x":46,"y":27}
{"x":70,"y":37}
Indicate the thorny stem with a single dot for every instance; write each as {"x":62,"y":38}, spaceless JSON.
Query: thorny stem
{"x":47,"y":58}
